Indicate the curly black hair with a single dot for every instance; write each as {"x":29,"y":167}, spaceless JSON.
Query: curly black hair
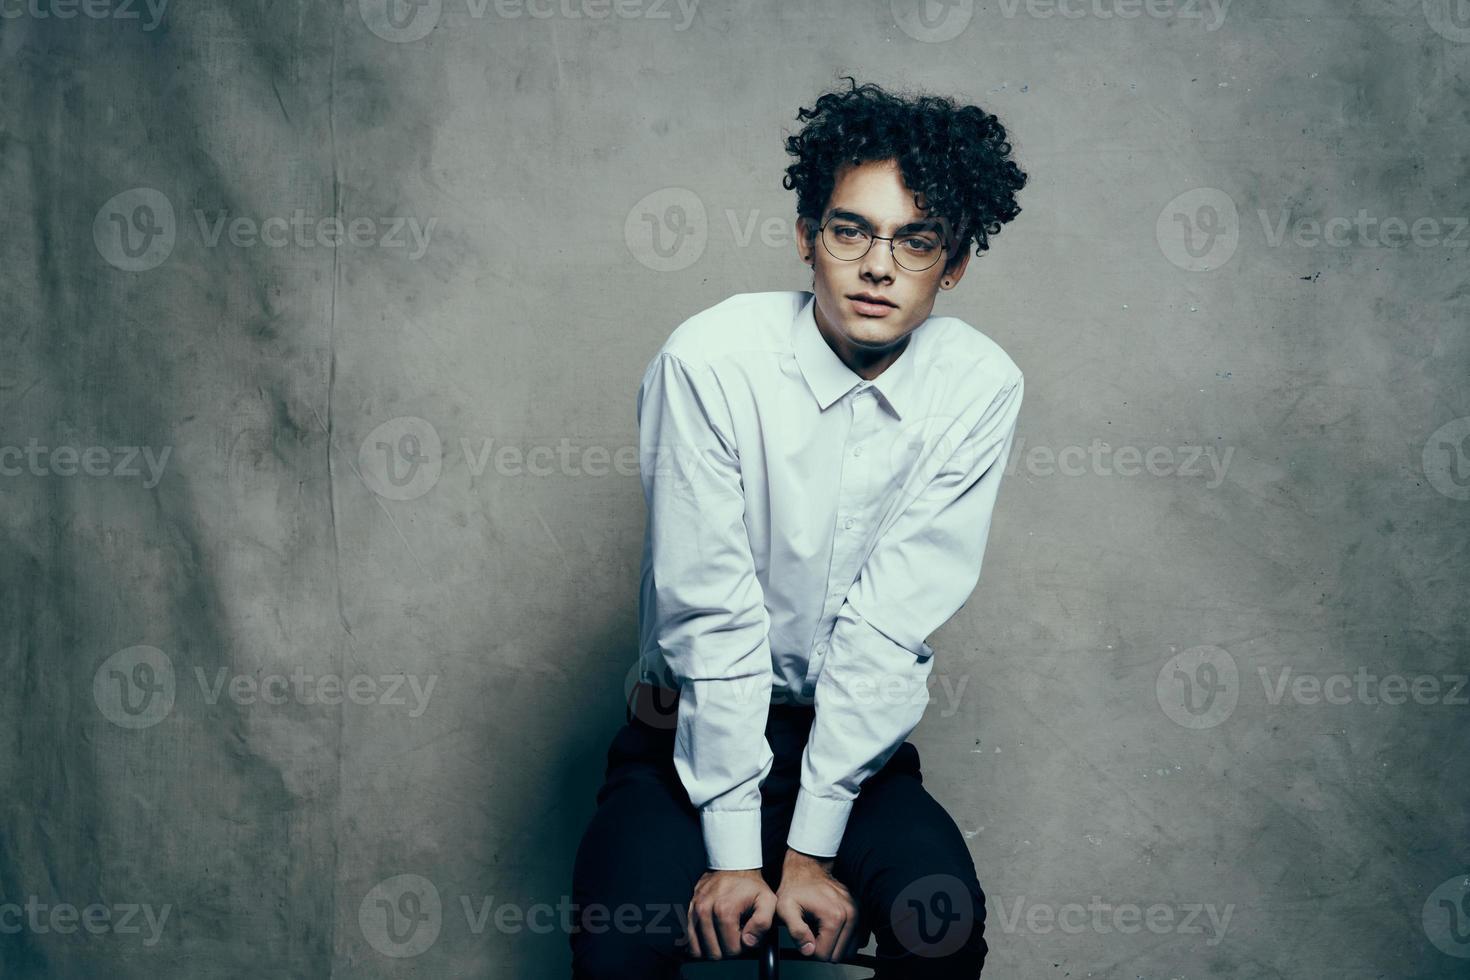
{"x":954,"y":158}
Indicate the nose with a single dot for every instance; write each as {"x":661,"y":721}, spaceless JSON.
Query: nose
{"x":877,"y":265}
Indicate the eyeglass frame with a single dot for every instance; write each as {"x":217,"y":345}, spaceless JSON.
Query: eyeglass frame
{"x":892,"y":251}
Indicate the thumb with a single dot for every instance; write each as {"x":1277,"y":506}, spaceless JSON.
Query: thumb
{"x":760,"y":920}
{"x":805,"y":940}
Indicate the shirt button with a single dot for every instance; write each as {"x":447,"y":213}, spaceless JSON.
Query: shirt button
{"x":849,"y":522}
{"x":857,"y":450}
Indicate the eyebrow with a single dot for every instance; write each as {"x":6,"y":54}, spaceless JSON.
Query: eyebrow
{"x":927,"y":224}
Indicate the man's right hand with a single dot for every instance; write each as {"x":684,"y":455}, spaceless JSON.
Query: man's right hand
{"x":730,"y":911}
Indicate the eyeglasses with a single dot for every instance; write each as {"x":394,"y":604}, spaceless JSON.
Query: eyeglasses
{"x":849,"y":241}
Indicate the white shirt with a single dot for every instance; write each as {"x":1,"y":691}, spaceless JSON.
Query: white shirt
{"x":807,"y":530}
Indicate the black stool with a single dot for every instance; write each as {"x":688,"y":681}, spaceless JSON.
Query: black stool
{"x":769,"y":954}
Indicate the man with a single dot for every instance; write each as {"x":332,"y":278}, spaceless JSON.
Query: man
{"x":820,"y":470}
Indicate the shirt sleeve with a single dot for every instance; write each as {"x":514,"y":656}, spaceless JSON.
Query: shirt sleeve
{"x":871,"y":691}
{"x":710,"y":621}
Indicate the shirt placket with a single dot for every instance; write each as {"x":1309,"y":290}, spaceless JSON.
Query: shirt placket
{"x":850,"y":531}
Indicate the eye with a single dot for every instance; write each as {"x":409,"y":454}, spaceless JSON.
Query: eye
{"x":920,"y":245}
{"x":849,"y":233}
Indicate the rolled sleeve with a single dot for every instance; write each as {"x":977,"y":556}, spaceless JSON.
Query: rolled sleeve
{"x":710,"y":622}
{"x":872,"y":689}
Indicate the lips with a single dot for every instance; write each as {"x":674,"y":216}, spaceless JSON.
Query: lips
{"x":867,"y":304}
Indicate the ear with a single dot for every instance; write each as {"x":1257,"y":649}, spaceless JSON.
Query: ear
{"x":954,"y":273}
{"x":805,"y":240}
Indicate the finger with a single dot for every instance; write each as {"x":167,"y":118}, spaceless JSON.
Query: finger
{"x":691,"y":933}
{"x":860,"y":935}
{"x":829,"y":922}
{"x":727,"y":927}
{"x":761,"y":919}
{"x":708,"y":937}
{"x":842,"y":946}
{"x":848,"y":931}
{"x":801,"y":934}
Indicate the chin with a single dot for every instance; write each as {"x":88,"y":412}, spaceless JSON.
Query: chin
{"x":874,"y":331}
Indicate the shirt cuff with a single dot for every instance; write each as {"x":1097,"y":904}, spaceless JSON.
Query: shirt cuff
{"x":817,"y":824}
{"x":732,"y":839}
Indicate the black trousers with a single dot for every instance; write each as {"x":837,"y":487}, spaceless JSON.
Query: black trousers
{"x":902,"y":858}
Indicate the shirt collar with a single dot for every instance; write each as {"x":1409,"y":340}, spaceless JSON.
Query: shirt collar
{"x":829,"y":378}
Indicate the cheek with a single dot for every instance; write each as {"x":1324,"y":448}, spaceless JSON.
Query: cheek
{"x":825,"y":277}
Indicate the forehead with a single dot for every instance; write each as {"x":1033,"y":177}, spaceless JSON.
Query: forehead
{"x":875,"y":190}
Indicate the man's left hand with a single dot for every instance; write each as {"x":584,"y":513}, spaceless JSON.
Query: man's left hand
{"x":817,"y":908}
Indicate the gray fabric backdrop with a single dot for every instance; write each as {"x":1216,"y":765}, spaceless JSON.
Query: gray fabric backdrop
{"x":321,"y":542}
